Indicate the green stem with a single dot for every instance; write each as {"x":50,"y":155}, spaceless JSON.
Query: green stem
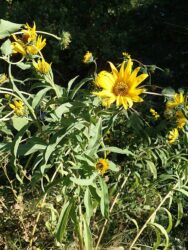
{"x":40,"y":32}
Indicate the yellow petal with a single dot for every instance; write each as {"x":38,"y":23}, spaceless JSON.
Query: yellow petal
{"x":121,"y":72}
{"x":125,"y":104}
{"x":140,"y":79}
{"x":12,"y":106}
{"x":104,"y":93}
{"x":114,"y":70}
{"x":105,"y":80}
{"x":133,"y":76}
{"x":128,"y":70}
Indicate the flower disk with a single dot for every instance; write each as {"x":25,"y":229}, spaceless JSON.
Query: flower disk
{"x":120,"y":86}
{"x":102,"y":166}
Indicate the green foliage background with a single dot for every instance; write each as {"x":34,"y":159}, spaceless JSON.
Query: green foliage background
{"x":154,"y":32}
{"x":151,"y":30}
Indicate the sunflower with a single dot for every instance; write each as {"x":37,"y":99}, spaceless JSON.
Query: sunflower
{"x":120,"y":86}
{"x":102,"y":166}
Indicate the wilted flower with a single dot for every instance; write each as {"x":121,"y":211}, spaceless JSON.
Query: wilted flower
{"x":65,"y":39}
{"x":102,"y":166}
{"x":120,"y":86}
{"x":18,"y":107}
{"x":42,"y":66}
{"x":173,"y":135}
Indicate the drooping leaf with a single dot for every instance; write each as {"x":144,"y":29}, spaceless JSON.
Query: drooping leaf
{"x":88,"y":204}
{"x":84,"y":182}
{"x":87,"y":236}
{"x":6,"y":48}
{"x":104,"y":202}
{"x":19,"y":122}
{"x":7,"y":28}
{"x":63,"y":220}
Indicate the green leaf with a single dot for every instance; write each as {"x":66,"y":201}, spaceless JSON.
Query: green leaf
{"x":6,"y":48}
{"x":104,"y":202}
{"x":180,"y":213}
{"x":183,"y":191}
{"x":14,"y":148}
{"x":152,"y":168}
{"x":7,"y":28}
{"x":70,"y":83}
{"x":169,"y":228}
{"x":88,"y":204}
{"x":84,"y":182}
{"x":32,"y":145}
{"x":163,"y":232}
{"x":23,"y":66}
{"x":4,"y":147}
{"x":62,"y":109}
{"x":19,"y":122}
{"x":158,"y":240}
{"x":113,"y":166}
{"x":117,"y":150}
{"x":38,"y":97}
{"x":63,"y":220}
{"x":94,"y":137}
{"x":87,"y":236}
{"x":78,"y":86}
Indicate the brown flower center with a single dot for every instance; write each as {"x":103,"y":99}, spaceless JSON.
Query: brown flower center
{"x":99,"y":166}
{"x":120,"y":89}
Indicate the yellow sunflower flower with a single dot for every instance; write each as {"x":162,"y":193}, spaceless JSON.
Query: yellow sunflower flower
{"x":177,"y":100}
{"x":181,"y":120}
{"x":173,"y":135}
{"x":120,"y":87}
{"x":102,"y":166}
{"x":3,"y":78}
{"x":42,"y":66}
{"x":18,"y":107}
{"x":29,"y":33}
{"x":154,"y":114}
{"x":88,"y":57}
{"x":18,"y":47}
{"x":37,"y":46}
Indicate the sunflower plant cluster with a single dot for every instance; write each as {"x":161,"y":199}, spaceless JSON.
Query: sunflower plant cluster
{"x":71,"y":153}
